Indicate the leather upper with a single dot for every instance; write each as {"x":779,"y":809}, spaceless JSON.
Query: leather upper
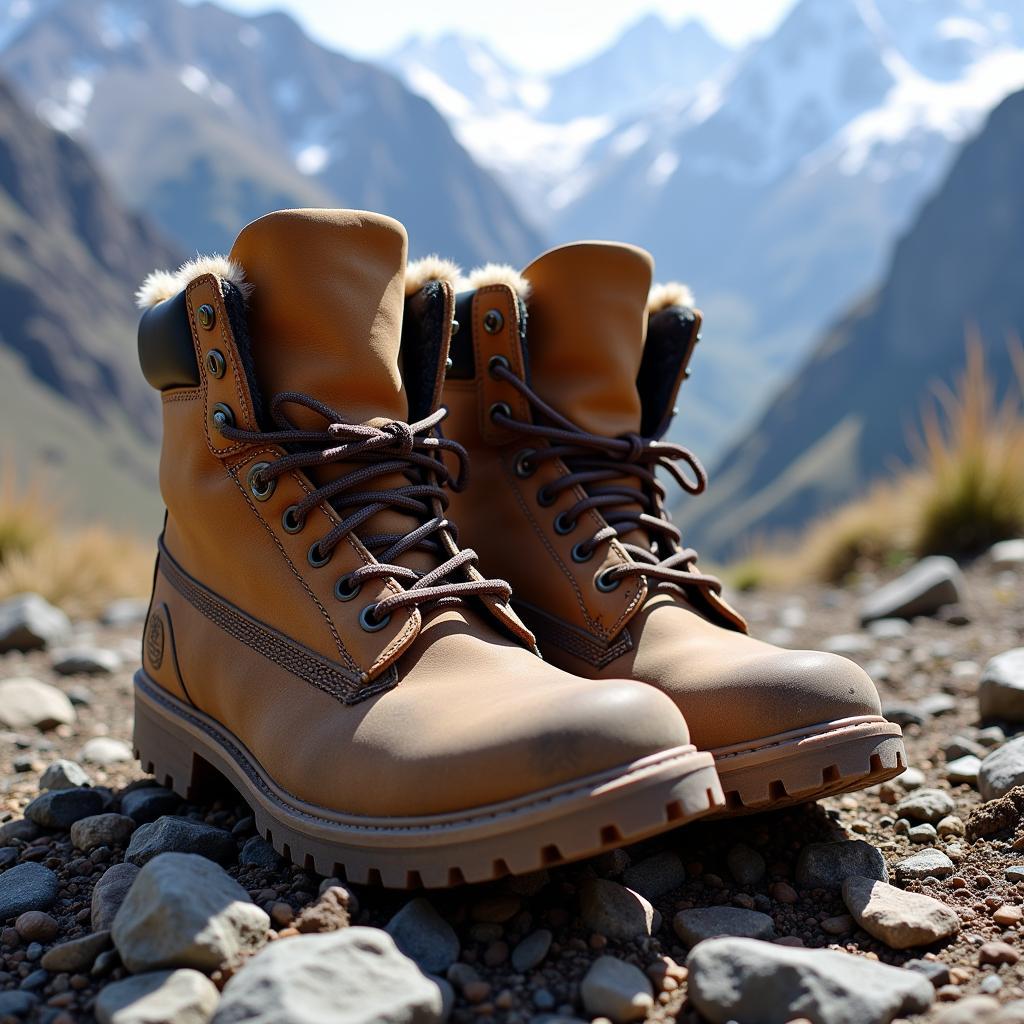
{"x":440,"y":709}
{"x":585,"y":340}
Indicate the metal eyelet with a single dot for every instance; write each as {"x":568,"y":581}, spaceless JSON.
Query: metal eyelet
{"x":563,"y":524}
{"x":206,"y":316}
{"x":500,"y":407}
{"x":544,"y":497}
{"x":455,"y":327}
{"x":580,"y":553}
{"x":368,"y":620}
{"x":604,"y":584}
{"x":343,"y":592}
{"x":497,"y":361}
{"x":222,"y":415}
{"x":290,"y":522}
{"x":215,"y":363}
{"x":261,"y":489}
{"x":493,"y":321}
{"x":315,"y":557}
{"x":522,"y":466}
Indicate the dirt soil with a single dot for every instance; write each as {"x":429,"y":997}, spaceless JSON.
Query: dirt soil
{"x":934,"y":657}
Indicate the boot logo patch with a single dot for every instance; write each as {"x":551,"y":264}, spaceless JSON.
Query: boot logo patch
{"x":155,"y":639}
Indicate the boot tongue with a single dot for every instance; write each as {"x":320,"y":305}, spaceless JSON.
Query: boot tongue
{"x":586,"y":327}
{"x":325,"y":312}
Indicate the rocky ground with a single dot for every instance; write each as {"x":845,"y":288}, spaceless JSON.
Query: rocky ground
{"x":84,"y":833}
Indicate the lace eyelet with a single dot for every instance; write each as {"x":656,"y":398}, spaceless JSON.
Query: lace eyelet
{"x":261,"y":489}
{"x":315,"y":557}
{"x":563,"y":524}
{"x":604,"y":584}
{"x":495,"y":362}
{"x":493,"y":321}
{"x":545,"y":498}
{"x":290,"y":523}
{"x":343,"y":592}
{"x":522,"y":466}
{"x":501,"y":408}
{"x":368,"y":620}
{"x":580,"y":553}
{"x":215,"y":363}
{"x":222,"y":416}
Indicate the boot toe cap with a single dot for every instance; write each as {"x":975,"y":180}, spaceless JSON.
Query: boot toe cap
{"x":777,"y":693}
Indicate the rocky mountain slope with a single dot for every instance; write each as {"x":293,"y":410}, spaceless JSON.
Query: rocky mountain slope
{"x":206,"y":119}
{"x":72,"y":402}
{"x":901,"y":902}
{"x":847,"y":416}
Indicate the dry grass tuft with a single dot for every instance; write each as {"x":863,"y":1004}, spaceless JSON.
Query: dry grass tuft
{"x":81,"y":569}
{"x":964,"y":492}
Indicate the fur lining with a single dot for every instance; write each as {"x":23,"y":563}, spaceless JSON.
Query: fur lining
{"x":499,"y":273}
{"x":162,"y":284}
{"x":667,"y":295}
{"x":419,"y":273}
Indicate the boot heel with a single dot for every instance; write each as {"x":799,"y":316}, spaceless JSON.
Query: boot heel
{"x":165,"y":750}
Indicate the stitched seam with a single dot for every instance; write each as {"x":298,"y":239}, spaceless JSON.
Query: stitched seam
{"x":230,"y":347}
{"x":757,"y":749}
{"x":189,"y":395}
{"x":568,"y":639}
{"x":244,"y":762}
{"x":342,"y":651}
{"x":298,"y":662}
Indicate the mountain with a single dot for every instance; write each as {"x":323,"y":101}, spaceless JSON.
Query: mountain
{"x":847,"y":416}
{"x":774,"y":181}
{"x":206,"y":119}
{"x":72,"y":402}
{"x":778,"y":192}
{"x":535,"y":132}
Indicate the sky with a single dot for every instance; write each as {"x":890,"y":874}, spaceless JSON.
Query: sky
{"x":535,"y":35}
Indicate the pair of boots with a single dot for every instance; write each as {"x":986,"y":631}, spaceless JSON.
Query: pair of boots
{"x":320,"y":632}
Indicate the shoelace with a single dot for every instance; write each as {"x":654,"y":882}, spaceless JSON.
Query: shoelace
{"x":593,"y":460}
{"x":395,"y":447}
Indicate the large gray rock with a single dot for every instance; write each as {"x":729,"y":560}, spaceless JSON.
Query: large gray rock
{"x":185,"y":911}
{"x":180,"y":835}
{"x":105,"y":750}
{"x":64,"y":774}
{"x":29,"y":622}
{"x":423,"y":935}
{"x":149,"y":803}
{"x":85,"y":660}
{"x":1007,"y":554}
{"x":1002,"y":770}
{"x":182,"y":996}
{"x":61,"y":808}
{"x":926,"y":864}
{"x":101,"y":830}
{"x":828,"y":865}
{"x":900,"y":919}
{"x":27,"y":703}
{"x":28,"y":886}
{"x":616,"y":990}
{"x":927,"y":587}
{"x":75,"y":956}
{"x":930,"y":805}
{"x":748,"y":980}
{"x":655,"y":876}
{"x":353,"y":976}
{"x":615,"y":911}
{"x":108,"y":894}
{"x":1001,"y":687}
{"x":700,"y":923}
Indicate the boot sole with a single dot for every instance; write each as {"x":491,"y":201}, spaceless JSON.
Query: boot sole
{"x":179,"y":744}
{"x":807,"y":764}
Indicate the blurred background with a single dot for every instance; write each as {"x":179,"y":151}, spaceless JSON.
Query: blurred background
{"x":841,"y":182}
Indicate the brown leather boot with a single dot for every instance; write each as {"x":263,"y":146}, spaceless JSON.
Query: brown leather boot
{"x":560,"y":403}
{"x":316,"y":634}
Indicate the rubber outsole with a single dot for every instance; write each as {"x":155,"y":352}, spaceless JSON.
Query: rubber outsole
{"x":179,"y":745}
{"x":807,"y":764}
